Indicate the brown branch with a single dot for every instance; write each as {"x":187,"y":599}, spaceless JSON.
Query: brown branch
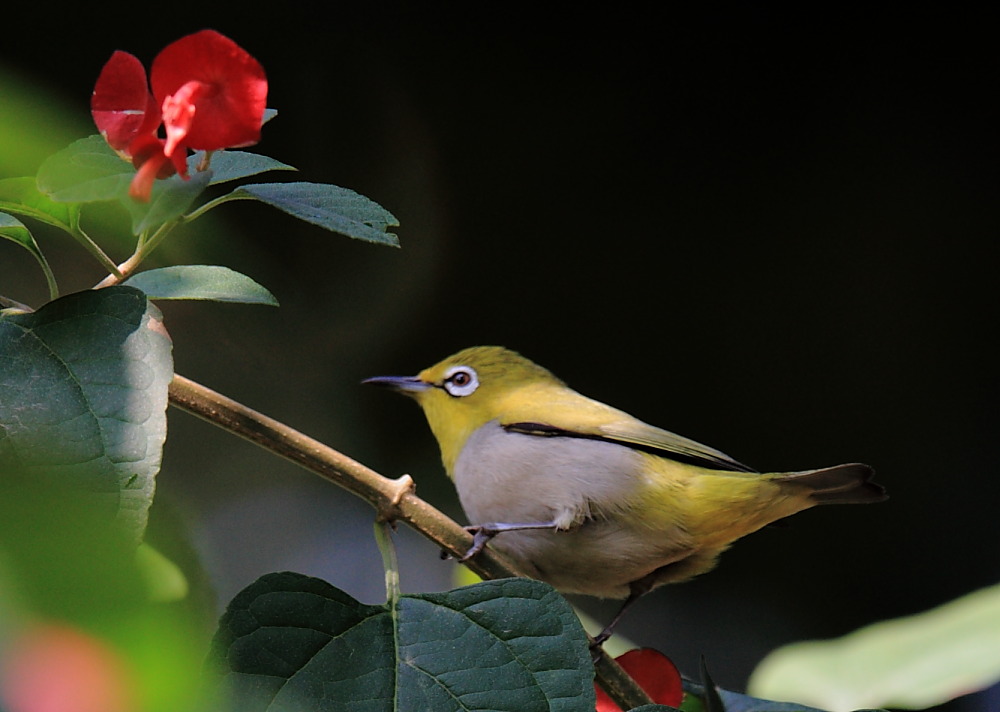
{"x":393,"y":500}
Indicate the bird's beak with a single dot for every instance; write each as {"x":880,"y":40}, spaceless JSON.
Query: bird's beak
{"x":409,"y":385}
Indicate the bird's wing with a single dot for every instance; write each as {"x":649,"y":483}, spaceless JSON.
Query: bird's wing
{"x":569,"y":414}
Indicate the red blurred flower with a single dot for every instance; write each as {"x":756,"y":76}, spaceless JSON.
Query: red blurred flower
{"x":55,"y":668}
{"x":207,"y":91}
{"x":655,"y":674}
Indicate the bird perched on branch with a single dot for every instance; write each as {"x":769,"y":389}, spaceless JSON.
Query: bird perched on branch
{"x":585,"y":496}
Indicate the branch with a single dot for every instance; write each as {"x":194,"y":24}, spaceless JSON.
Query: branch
{"x":393,"y":500}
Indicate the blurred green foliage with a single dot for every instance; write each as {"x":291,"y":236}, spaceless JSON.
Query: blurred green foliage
{"x":35,"y":123}
{"x":914,"y":662}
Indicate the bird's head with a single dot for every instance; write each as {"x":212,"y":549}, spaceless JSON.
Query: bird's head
{"x":467,"y":390}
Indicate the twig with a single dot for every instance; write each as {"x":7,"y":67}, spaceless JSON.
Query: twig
{"x":394,"y":500}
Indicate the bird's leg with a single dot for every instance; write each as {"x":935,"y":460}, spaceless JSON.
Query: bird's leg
{"x":637,"y":589}
{"x":483,"y":533}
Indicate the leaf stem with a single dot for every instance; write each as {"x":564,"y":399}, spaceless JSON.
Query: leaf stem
{"x":142,"y":251}
{"x":8,"y":303}
{"x":157,"y":237}
{"x":383,"y":537}
{"x":50,"y":278}
{"x":94,"y":249}
{"x":215,"y":202}
{"x":394,"y":500}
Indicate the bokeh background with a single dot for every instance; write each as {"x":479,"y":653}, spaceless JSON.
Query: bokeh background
{"x":768,"y":231}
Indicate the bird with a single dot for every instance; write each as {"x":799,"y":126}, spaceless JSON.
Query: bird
{"x":590,"y":499}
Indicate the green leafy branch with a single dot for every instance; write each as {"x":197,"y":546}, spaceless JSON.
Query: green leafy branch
{"x":89,"y":171}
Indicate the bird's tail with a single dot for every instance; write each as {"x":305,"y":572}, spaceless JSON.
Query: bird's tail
{"x":841,"y":484}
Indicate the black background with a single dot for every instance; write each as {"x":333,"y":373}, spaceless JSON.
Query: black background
{"x":769,"y":231}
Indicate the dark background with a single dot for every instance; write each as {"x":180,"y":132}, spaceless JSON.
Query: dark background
{"x":770,"y":232}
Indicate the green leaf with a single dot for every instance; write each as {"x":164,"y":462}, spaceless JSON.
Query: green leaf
{"x":22,"y":197}
{"x":168,"y":200}
{"x":219,"y":284}
{"x":13,"y":229}
{"x":86,"y":171}
{"x":89,"y":170}
{"x":164,"y":580}
{"x":913,"y":662}
{"x":290,"y":642}
{"x":83,"y":397}
{"x":233,"y":165}
{"x":329,"y":206}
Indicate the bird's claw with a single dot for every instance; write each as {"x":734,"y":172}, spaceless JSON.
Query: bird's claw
{"x":599,"y":640}
{"x":480,"y":538}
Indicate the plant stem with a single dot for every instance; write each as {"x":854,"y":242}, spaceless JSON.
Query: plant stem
{"x":8,"y":303}
{"x":383,"y":537}
{"x":144,"y":248}
{"x":204,"y":208}
{"x":50,"y":278}
{"x":95,"y":250}
{"x":393,"y":500}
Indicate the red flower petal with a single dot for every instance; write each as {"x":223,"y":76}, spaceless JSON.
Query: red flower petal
{"x":121,"y":104}
{"x":54,"y":668}
{"x":655,"y":674}
{"x":151,"y":162}
{"x":178,"y":114}
{"x":229,"y":108}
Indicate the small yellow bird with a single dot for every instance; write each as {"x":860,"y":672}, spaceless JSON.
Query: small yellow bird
{"x":588,"y":498}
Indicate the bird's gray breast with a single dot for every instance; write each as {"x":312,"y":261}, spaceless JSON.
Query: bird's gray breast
{"x":586,"y":488}
{"x":516,"y":477}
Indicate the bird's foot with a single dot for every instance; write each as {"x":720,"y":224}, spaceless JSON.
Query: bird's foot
{"x":600,"y":639}
{"x":483,"y":533}
{"x":481,"y":536}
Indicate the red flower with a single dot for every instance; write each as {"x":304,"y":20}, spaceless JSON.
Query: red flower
{"x":121,"y":105}
{"x":655,"y":674}
{"x":53,"y":667}
{"x":208,"y":92}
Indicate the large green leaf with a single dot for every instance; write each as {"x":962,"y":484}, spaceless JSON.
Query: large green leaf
{"x":211,"y":282}
{"x":83,"y":397}
{"x":87,"y":170}
{"x":22,"y":197}
{"x":290,"y":642}
{"x":329,"y":206}
{"x":911,"y":663}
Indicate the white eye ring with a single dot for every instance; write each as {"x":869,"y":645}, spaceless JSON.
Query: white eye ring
{"x":460,"y":381}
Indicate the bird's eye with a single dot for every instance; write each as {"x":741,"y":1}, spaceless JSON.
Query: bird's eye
{"x":460,"y":381}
